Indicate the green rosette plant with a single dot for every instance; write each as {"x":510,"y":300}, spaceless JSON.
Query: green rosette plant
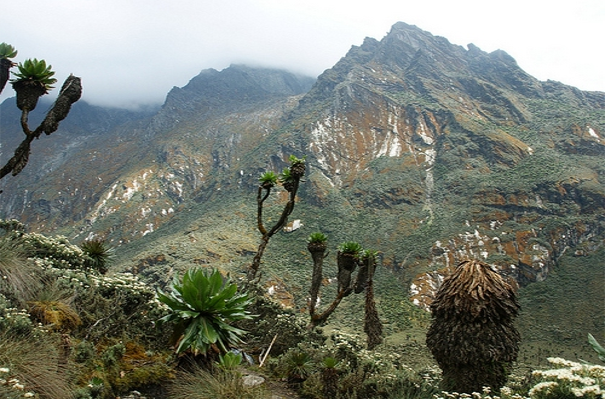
{"x":287,"y":179}
{"x":317,"y":242}
{"x":203,"y":305}
{"x":99,"y":254}
{"x":6,"y":53}
{"x":268,"y":180}
{"x":297,"y":166}
{"x":230,"y":361}
{"x":33,"y":80}
{"x":349,"y":252}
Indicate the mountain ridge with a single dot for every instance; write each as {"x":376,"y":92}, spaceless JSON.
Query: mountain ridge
{"x":425,"y":150}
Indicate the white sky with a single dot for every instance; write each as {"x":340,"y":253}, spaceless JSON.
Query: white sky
{"x":131,"y":52}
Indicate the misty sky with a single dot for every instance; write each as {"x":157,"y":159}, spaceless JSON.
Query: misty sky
{"x":131,"y":52}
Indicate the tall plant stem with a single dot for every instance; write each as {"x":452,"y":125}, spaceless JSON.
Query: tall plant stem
{"x":267,"y":234}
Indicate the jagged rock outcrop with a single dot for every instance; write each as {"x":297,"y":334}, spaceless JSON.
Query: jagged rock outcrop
{"x":416,"y":125}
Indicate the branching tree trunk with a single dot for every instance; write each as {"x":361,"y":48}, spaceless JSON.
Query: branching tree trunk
{"x":472,"y":335}
{"x":372,"y":325}
{"x":318,"y":253}
{"x":28,"y":93}
{"x":5,"y":66}
{"x":347,"y":261}
{"x":290,"y":179}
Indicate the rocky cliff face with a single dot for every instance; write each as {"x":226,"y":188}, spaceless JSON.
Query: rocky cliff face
{"x":427,"y":151}
{"x":477,"y":156}
{"x":139,"y":173}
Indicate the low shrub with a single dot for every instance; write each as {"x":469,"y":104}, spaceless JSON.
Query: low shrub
{"x":569,"y":380}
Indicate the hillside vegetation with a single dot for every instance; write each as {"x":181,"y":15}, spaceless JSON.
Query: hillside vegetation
{"x":424,"y":153}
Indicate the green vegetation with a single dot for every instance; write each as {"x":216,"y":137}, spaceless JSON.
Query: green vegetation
{"x":230,"y":360}
{"x":34,"y":70}
{"x":7,"y":51}
{"x":129,"y":353}
{"x":203,"y":305}
{"x":317,"y":237}
{"x":34,"y":80}
{"x":597,"y":347}
{"x":71,"y":325}
{"x":268,"y":179}
{"x":99,"y":253}
{"x":352,"y":248}
{"x":290,"y":180}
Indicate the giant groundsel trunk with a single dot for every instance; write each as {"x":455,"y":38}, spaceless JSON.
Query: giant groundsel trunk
{"x":472,"y":335}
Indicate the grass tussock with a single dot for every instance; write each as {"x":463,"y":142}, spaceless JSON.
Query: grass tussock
{"x":199,"y":383}
{"x":18,"y":275}
{"x":36,"y":364}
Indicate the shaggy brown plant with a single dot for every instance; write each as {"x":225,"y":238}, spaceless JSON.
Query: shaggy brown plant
{"x":472,"y":335}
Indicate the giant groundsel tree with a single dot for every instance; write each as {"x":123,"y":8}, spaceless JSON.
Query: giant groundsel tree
{"x":33,"y":80}
{"x":472,"y":335}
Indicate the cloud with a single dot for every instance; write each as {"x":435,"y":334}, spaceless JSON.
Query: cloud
{"x":133,"y":52}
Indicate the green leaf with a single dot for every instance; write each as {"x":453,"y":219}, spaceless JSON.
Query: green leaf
{"x":268,"y":178}
{"x":216,"y":282}
{"x":171,"y":302}
{"x":37,"y":71}
{"x":202,"y":304}
{"x":597,"y":347}
{"x":188,"y":337}
{"x":208,"y":331}
{"x":189,"y":314}
{"x":7,"y":51}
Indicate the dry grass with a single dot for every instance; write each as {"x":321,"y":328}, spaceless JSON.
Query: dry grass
{"x":35,"y":362}
{"x":59,"y":315}
{"x":200,"y":383}
{"x":18,"y":276}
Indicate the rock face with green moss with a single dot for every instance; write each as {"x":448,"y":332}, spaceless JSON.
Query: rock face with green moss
{"x":428,"y":151}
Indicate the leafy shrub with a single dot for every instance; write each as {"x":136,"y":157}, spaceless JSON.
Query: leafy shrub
{"x":98,"y":253}
{"x":203,"y":305}
{"x":299,"y":366}
{"x":229,"y":361}
{"x":14,"y":321}
{"x":568,"y":381}
{"x":289,"y":328}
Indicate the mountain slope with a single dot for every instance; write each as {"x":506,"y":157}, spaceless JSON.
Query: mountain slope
{"x":424,"y":150}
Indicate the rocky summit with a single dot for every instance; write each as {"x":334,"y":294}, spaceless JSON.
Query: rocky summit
{"x":427,"y":151}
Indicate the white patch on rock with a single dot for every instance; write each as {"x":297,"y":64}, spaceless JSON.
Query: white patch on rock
{"x":292,"y":226}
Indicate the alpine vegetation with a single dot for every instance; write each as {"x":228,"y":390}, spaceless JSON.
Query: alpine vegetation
{"x":472,"y":335}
